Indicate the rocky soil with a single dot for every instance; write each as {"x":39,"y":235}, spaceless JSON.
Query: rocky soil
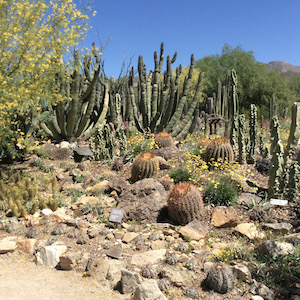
{"x":75,"y":252}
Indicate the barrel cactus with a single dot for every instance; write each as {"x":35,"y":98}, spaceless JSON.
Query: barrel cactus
{"x":219,"y":149}
{"x":202,"y":143}
{"x":184,"y":203}
{"x":220,"y":278}
{"x":145,"y":165}
{"x":163,"y":139}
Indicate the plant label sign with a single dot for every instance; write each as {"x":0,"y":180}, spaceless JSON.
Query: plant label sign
{"x":278,"y":202}
{"x":116,"y":215}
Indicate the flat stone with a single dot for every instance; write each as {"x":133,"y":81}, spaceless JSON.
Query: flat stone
{"x":8,"y":245}
{"x":249,"y":230}
{"x":27,"y":245}
{"x":282,"y":228}
{"x":248,"y":199}
{"x":159,"y":244}
{"x":223,"y":217}
{"x":195,"y":230}
{"x":148,"y":290}
{"x":129,"y":237}
{"x":149,"y":257}
{"x":115,"y":252}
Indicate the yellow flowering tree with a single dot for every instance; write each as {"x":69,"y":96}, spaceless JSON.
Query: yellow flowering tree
{"x":33,"y":37}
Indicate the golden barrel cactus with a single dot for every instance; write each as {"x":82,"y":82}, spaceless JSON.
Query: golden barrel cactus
{"x":163,"y":139}
{"x":145,"y":165}
{"x":184,"y":203}
{"x":219,"y":149}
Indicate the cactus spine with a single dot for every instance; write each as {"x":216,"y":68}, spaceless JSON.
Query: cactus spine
{"x":184,"y":203}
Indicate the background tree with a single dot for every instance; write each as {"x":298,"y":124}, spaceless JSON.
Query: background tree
{"x":33,"y":37}
{"x":255,"y":83}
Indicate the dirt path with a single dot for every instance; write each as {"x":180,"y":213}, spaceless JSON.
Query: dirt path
{"x":21,"y":279}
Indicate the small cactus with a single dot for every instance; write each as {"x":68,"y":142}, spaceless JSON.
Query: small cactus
{"x":203,"y":143}
{"x":219,"y":149}
{"x":220,"y":278}
{"x":145,"y":165}
{"x":164,"y":284}
{"x":171,"y":258}
{"x":184,"y":203}
{"x":192,"y":293}
{"x":148,"y":272}
{"x":183,"y":247}
{"x":191,"y":264}
{"x":163,"y":139}
{"x":117,"y":165}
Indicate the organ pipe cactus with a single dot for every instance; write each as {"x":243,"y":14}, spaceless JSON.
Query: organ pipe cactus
{"x":71,"y":118}
{"x":159,"y":106}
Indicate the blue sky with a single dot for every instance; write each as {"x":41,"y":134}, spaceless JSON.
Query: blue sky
{"x":269,"y":28}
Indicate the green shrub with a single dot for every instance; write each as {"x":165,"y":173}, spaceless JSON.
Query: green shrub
{"x":179,"y":175}
{"x":223,"y":193}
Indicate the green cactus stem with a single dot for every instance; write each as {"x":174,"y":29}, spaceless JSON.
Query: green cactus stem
{"x":241,"y":140}
{"x":252,"y":134}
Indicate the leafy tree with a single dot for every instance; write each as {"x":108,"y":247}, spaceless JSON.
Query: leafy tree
{"x":295,"y":86}
{"x":33,"y":37}
{"x":255,"y":83}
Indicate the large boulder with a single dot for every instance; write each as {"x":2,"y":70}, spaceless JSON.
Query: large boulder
{"x":144,"y":201}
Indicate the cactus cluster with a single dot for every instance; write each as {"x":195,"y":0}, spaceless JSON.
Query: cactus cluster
{"x":184,"y":203}
{"x":219,"y":149}
{"x":89,"y":101}
{"x":252,"y":134}
{"x":220,"y":278}
{"x":18,"y":194}
{"x":145,"y":165}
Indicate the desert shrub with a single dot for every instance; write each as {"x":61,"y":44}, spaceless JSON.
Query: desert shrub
{"x":222,"y":193}
{"x":180,"y":175}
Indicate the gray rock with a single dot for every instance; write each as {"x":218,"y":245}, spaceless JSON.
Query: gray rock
{"x":275,"y":248}
{"x":68,"y":261}
{"x":115,"y":252}
{"x":49,"y":255}
{"x":248,"y":199}
{"x":129,"y":281}
{"x":263,"y":291}
{"x":13,"y":225}
{"x":108,"y":272}
{"x":81,"y":153}
{"x":169,"y":153}
{"x":282,"y":228}
{"x":148,"y":290}
{"x":118,"y":184}
{"x":256,"y":297}
{"x":242,"y":272}
{"x":144,"y":201}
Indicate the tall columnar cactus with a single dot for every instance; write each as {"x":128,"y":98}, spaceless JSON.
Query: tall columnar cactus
{"x":145,"y":165}
{"x":102,"y":143}
{"x":277,"y":161}
{"x":159,"y":106}
{"x":219,"y":149}
{"x":184,"y":203}
{"x":293,"y":182}
{"x":241,"y":140}
{"x":81,"y":94}
{"x":252,"y":133}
